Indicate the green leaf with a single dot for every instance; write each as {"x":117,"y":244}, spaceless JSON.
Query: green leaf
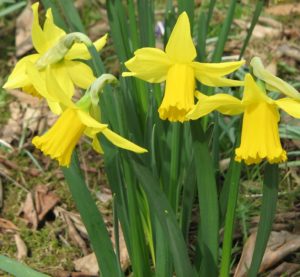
{"x":232,"y":182}
{"x":208,"y":202}
{"x":92,"y":219}
{"x":18,"y":269}
{"x":12,"y":8}
{"x":223,"y":36}
{"x":72,"y":16}
{"x":258,"y":9}
{"x":161,"y":208}
{"x":267,"y":213}
{"x":188,"y":6}
{"x":58,"y":19}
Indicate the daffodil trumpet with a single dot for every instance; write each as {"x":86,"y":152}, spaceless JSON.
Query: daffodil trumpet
{"x":59,"y":51}
{"x":260,"y":137}
{"x":60,"y":140}
{"x":177,"y":67}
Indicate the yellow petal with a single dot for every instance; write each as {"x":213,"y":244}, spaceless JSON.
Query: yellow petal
{"x":18,"y":78}
{"x":122,"y":142}
{"x":211,"y":74}
{"x":290,"y":106}
{"x":253,"y":93}
{"x":275,"y":82}
{"x":51,"y":31}
{"x":224,"y":103}
{"x":56,"y":91}
{"x":38,"y":80}
{"x":63,"y":78}
{"x":180,"y":47}
{"x":93,"y":125}
{"x":216,"y":69}
{"x":148,"y":64}
{"x":80,"y":73}
{"x":218,"y":81}
{"x":39,"y":40}
{"x":97,"y":146}
{"x":80,"y":51}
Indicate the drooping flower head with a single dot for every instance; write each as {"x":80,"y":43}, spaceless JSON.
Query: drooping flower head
{"x":260,"y":137}
{"x":67,"y":70}
{"x":177,"y":67}
{"x":75,"y":121}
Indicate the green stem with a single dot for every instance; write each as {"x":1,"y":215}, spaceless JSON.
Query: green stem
{"x":92,"y":219}
{"x":267,"y":213}
{"x":229,"y":221}
{"x":173,"y":184}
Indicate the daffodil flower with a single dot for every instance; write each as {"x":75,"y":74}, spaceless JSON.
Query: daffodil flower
{"x":75,"y":121}
{"x":67,"y":70}
{"x":260,"y":137}
{"x":177,"y":67}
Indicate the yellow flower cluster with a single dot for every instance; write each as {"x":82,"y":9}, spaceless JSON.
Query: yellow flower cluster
{"x":52,"y":73}
{"x":260,"y":137}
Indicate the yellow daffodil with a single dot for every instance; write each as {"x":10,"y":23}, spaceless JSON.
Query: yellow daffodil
{"x":177,"y":67}
{"x":60,"y":140}
{"x":260,"y":138}
{"x":67,"y":70}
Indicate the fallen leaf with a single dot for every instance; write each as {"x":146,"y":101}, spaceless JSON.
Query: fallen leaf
{"x":37,"y":205}
{"x":75,"y":217}
{"x":21,"y":247}
{"x":280,"y":245}
{"x":124,"y":256}
{"x":23,"y":31}
{"x":7,"y":226}
{"x":285,"y":269}
{"x":29,"y":213}
{"x":284,"y":9}
{"x":261,"y":32}
{"x":45,"y":201}
{"x":12,"y":129}
{"x":75,"y":236}
{"x":87,"y":264}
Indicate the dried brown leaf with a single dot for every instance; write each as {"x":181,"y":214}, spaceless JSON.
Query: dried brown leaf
{"x":284,"y":9}
{"x":28,"y":212}
{"x":23,"y":31}
{"x":280,"y":245}
{"x":21,"y":247}
{"x":36,"y":207}
{"x":87,"y":264}
{"x":45,"y":201}
{"x":7,"y":226}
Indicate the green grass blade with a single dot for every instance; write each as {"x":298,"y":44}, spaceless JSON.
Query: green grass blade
{"x":58,"y":19}
{"x":267,"y":213}
{"x":258,"y":9}
{"x":18,"y":269}
{"x":146,"y":22}
{"x":208,"y":202}
{"x":161,"y":208}
{"x":205,"y":15}
{"x":233,"y":184}
{"x":163,"y":256}
{"x":71,"y":15}
{"x":189,"y":7}
{"x":223,"y":36}
{"x":93,"y":221}
{"x":12,"y":8}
